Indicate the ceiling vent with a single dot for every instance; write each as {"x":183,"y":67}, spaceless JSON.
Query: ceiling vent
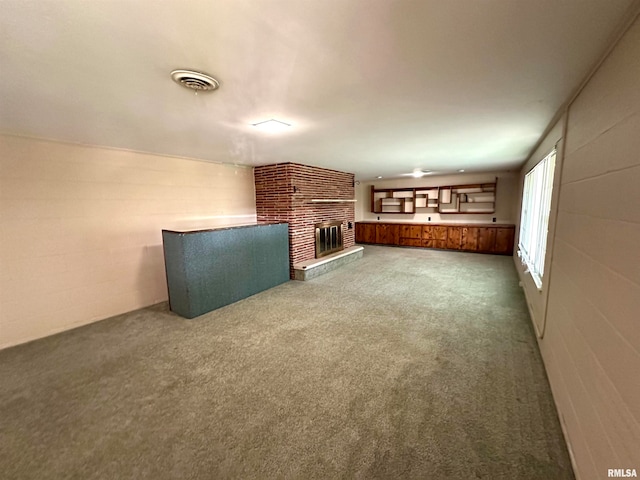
{"x":198,"y":81}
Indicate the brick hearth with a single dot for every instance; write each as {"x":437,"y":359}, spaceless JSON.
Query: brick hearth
{"x":284,"y":192}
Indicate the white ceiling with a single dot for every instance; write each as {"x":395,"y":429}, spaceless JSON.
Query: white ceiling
{"x":374,"y":87}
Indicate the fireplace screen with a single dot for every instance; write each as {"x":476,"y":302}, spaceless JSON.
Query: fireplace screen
{"x":328,"y":238}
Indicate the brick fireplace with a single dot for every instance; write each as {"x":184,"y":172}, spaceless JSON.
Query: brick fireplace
{"x":298,"y":194}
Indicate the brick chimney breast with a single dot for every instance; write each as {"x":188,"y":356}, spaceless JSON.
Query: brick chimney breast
{"x":284,"y":192}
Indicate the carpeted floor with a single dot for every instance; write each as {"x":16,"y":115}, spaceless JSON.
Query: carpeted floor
{"x":408,"y":363}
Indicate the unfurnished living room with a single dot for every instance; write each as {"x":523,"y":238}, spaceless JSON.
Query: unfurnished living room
{"x":320,"y":239}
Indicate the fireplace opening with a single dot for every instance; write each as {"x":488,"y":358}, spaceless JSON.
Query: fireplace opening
{"x":328,"y":238}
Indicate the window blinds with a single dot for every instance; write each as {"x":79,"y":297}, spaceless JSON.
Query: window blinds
{"x":534,"y":221}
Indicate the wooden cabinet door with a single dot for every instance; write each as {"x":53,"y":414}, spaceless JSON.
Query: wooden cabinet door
{"x":486,"y":239}
{"x":440,"y":236}
{"x":410,"y":235}
{"x":360,"y":232}
{"x":434,"y":236}
{"x":416,"y":232}
{"x":440,"y":233}
{"x":381,"y":233}
{"x":387,"y":234}
{"x":469,"y":239}
{"x":411,"y":231}
{"x":427,"y":236}
{"x":394,"y":234}
{"x":365,"y":233}
{"x":454,"y":237}
{"x":370,"y":234}
{"x":504,"y":240}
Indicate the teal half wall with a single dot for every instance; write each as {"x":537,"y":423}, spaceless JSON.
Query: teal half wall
{"x":208,"y":269}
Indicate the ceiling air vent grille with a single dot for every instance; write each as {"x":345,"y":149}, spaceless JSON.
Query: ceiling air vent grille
{"x":198,"y":81}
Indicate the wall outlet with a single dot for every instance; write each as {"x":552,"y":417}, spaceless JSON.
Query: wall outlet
{"x":349,"y":225}
{"x":429,"y":219}
{"x":494,"y":219}
{"x":378,"y":218}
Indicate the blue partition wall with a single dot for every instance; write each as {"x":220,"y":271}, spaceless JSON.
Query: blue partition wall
{"x":207,"y":269}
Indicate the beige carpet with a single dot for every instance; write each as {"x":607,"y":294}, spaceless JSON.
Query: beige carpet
{"x":408,"y":363}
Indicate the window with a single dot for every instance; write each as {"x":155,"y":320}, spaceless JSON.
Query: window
{"x":534,"y":222}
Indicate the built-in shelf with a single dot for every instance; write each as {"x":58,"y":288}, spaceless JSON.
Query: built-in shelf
{"x":475,"y":198}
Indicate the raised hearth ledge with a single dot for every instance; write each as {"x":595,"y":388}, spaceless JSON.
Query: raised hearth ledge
{"x":318,"y":266}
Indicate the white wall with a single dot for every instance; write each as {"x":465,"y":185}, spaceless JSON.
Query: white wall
{"x":506,"y":198}
{"x":591,"y":342}
{"x":80,"y":228}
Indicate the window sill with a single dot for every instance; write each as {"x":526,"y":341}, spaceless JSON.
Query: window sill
{"x":537,"y":279}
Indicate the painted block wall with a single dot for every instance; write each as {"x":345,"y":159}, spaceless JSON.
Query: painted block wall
{"x":591,"y":342}
{"x":506,"y":198}
{"x":80,"y":228}
{"x":284,"y":193}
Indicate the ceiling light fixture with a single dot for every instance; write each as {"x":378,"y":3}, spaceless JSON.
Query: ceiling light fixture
{"x":198,"y":81}
{"x":271,"y":125}
{"x":461,"y":170}
{"x":379,"y":176}
{"x":417,"y":173}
